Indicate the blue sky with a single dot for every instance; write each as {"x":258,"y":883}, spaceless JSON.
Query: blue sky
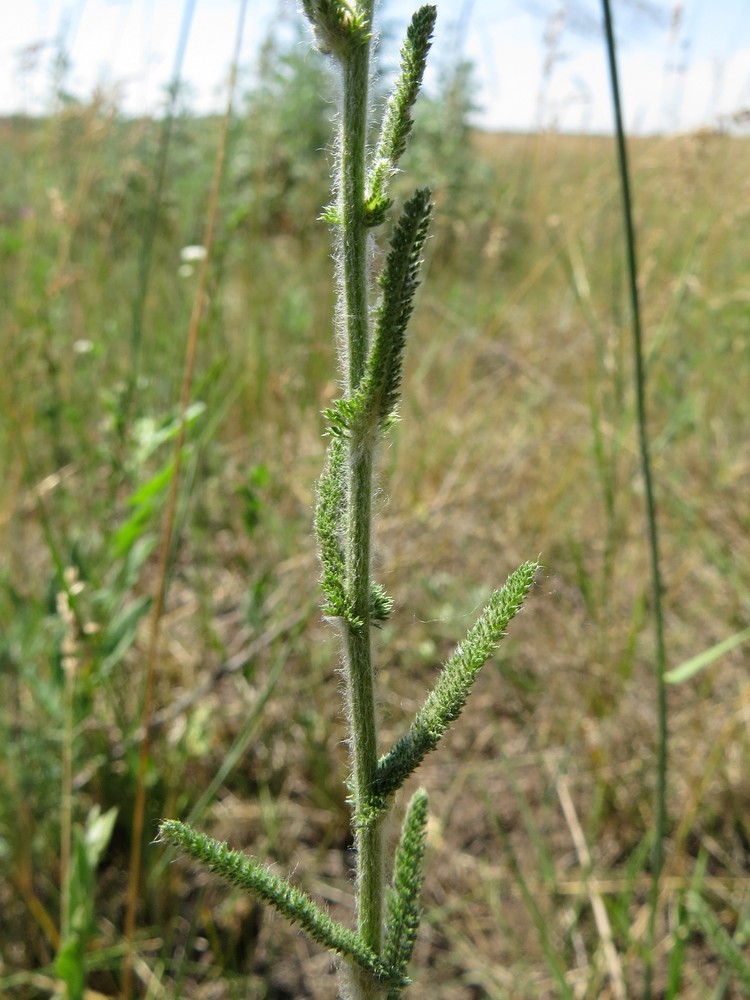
{"x":684,"y":63}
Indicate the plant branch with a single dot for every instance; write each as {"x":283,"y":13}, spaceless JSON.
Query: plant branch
{"x":372,"y":407}
{"x":397,"y":121}
{"x":446,"y":700}
{"x":257,"y":879}
{"x":402,"y":922}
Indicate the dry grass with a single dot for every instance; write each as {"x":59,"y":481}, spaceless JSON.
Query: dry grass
{"x":519,"y":360}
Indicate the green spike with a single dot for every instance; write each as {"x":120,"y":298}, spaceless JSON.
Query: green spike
{"x":255,"y":878}
{"x":397,"y":120}
{"x":446,"y":700}
{"x":403,"y":910}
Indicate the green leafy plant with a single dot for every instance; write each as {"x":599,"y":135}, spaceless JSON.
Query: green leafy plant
{"x":78,"y":919}
{"x":371,"y":341}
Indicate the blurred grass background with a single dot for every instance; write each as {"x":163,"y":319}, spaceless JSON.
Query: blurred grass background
{"x":517,"y":439}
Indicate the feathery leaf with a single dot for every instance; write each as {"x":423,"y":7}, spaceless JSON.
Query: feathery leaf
{"x":329,"y":513}
{"x":444,"y":703}
{"x":399,"y":281}
{"x":381,"y":603}
{"x":397,"y":120}
{"x":403,"y":913}
{"x":255,"y":878}
{"x":373,"y":404}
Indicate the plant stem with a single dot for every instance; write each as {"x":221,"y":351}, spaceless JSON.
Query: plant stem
{"x":354,"y":305}
{"x":657,"y":855}
{"x":66,"y":818}
{"x":354,"y":232}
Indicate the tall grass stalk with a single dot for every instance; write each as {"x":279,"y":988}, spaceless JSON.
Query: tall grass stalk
{"x":371,"y":341}
{"x":157,"y":609}
{"x":149,"y":235}
{"x":66,"y":791}
{"x":660,"y":806}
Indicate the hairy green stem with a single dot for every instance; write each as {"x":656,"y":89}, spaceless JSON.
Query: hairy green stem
{"x":352,"y":205}
{"x":354,"y":303}
{"x":657,"y":855}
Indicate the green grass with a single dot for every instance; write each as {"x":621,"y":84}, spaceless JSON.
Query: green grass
{"x":520,"y":412}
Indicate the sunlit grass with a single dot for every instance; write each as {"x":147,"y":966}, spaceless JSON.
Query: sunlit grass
{"x":520,"y":326}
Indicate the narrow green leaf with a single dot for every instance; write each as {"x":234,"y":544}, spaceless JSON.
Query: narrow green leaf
{"x":98,"y":833}
{"x":144,"y":501}
{"x":121,"y":632}
{"x":153,"y":487}
{"x":373,"y":404}
{"x":241,"y":870}
{"x":678,"y":950}
{"x":89,"y":845}
{"x":695,"y":664}
{"x":382,"y":382}
{"x":70,"y":966}
{"x":134,"y":562}
{"x":381,"y":604}
{"x":329,"y":515}
{"x":403,"y":910}
{"x":330,"y":214}
{"x":446,"y":700}
{"x":397,"y":120}
{"x":131,"y":531}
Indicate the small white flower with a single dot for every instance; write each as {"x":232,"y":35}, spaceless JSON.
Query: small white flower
{"x":185,"y":270}
{"x":83,"y":346}
{"x":191,"y":254}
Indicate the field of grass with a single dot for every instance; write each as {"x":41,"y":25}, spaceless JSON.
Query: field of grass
{"x":518,"y":439}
